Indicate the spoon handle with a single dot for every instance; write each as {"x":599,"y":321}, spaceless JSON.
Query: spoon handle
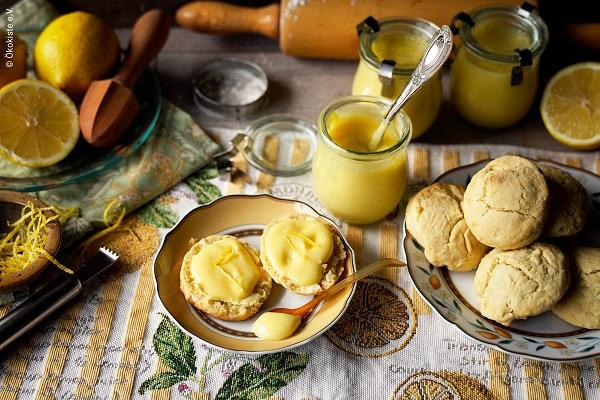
{"x":436,"y":53}
{"x":362,"y":273}
{"x":431,"y":61}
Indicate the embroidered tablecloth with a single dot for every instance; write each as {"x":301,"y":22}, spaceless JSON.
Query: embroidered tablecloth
{"x":116,"y":342}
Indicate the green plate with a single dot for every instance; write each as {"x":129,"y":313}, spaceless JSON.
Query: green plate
{"x":86,"y":162}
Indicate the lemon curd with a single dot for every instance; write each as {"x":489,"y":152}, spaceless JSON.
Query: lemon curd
{"x":298,"y":248}
{"x":225,"y":270}
{"x":484,"y":90}
{"x":275,"y":326}
{"x":402,"y":41}
{"x":354,"y":183}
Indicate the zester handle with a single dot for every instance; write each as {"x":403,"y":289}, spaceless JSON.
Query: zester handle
{"x":37,"y":308}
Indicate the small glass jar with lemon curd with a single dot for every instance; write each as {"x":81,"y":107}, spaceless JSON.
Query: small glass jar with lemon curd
{"x":389,"y":52}
{"x":494,"y":77}
{"x":354,"y":182}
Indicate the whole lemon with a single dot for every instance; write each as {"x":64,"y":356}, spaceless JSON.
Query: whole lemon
{"x":75,"y":49}
{"x":13,"y":53}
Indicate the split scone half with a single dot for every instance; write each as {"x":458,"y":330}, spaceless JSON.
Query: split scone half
{"x":222,"y":276}
{"x":302,"y":253}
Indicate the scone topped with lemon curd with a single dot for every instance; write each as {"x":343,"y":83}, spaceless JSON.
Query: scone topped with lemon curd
{"x":302,"y":253}
{"x":506,"y":203}
{"x":223,"y":276}
{"x":435,"y":219}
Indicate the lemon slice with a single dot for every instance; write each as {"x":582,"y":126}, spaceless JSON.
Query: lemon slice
{"x":571,"y":106}
{"x":40,"y":124}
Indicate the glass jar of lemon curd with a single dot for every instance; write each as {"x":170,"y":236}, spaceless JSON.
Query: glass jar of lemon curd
{"x":494,"y":77}
{"x":389,"y":52}
{"x":353,"y":182}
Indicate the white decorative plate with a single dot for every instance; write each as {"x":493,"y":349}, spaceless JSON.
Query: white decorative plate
{"x":452,"y":295}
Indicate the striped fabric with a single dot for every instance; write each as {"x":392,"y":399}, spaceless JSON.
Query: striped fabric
{"x":102,"y":346}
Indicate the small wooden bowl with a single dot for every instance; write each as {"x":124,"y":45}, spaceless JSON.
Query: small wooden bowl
{"x":11,"y":204}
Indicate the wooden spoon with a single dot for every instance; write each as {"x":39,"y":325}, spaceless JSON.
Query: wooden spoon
{"x":109,"y":105}
{"x":304,"y":310}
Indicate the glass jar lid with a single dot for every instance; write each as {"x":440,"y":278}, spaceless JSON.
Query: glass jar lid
{"x":281,"y":145}
{"x":378,"y":41}
{"x":501,"y":33}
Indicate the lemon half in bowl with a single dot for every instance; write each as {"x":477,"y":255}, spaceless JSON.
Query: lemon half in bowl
{"x":40,"y":124}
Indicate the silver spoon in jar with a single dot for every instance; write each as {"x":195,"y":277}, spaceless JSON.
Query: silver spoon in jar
{"x":433,"y":58}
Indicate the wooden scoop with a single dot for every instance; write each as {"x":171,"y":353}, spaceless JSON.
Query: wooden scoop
{"x":109,"y":106}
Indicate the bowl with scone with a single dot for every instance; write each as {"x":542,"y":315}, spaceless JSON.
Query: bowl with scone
{"x":227,"y":263}
{"x":508,"y":251}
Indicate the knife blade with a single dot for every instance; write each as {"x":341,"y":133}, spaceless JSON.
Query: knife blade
{"x":58,"y":292}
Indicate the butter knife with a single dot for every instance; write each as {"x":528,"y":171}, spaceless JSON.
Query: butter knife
{"x":58,"y":292}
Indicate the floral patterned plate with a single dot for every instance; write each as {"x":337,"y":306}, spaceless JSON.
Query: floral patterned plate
{"x":244,"y":216}
{"x":452,"y":294}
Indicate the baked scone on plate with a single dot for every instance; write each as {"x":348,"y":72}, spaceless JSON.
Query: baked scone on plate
{"x":223,"y":277}
{"x":581,"y":304}
{"x":435,"y":219}
{"x":506,"y":203}
{"x":516,"y":284}
{"x":568,"y":203}
{"x":302,"y":253}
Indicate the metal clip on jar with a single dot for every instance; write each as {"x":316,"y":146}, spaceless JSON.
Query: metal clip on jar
{"x":389,"y":51}
{"x":494,"y":77}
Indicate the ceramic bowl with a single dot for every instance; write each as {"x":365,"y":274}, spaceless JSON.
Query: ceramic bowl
{"x":11,"y":204}
{"x":452,"y":294}
{"x":245,"y":217}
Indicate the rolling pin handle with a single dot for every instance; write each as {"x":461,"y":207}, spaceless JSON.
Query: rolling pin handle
{"x":223,"y":18}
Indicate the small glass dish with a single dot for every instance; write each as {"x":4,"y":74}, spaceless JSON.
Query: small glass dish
{"x":230,"y":87}
{"x":86,"y":162}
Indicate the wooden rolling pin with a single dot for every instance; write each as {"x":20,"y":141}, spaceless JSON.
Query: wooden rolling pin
{"x":316,"y":28}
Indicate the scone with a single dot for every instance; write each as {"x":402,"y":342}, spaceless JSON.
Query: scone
{"x":223,"y":276}
{"x":581,"y":304}
{"x":302,"y":253}
{"x":506,"y":203}
{"x":516,"y":284}
{"x":568,"y":203}
{"x":435,"y":219}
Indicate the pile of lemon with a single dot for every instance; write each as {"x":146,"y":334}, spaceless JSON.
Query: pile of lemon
{"x":40,"y":121}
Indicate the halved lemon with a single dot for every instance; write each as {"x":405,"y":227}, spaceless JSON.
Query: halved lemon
{"x":571,"y":106}
{"x":40,"y":124}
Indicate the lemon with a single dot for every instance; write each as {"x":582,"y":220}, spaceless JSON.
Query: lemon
{"x":73,"y":50}
{"x":40,"y":124}
{"x":13,"y":53}
{"x":571,"y":106}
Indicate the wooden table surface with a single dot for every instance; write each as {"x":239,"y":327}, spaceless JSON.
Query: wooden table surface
{"x":303,"y":87}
